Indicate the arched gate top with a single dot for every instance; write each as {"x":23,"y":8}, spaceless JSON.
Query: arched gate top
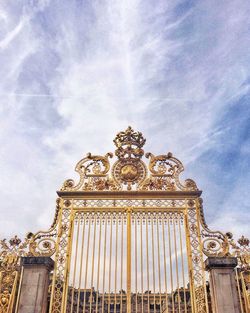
{"x":129,"y":172}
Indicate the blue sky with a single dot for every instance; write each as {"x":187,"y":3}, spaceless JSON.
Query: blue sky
{"x":74,"y":73}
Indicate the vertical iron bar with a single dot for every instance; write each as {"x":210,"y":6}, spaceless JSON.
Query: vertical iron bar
{"x":182,"y":266}
{"x":141,"y":266}
{"x":122,"y":221}
{"x":116,"y":247}
{"x":159,"y":261}
{"x":176,"y":264}
{"x":170,"y":265}
{"x":19,"y":290}
{"x":245,"y":292}
{"x":86,"y":268}
{"x":110,"y":261}
{"x":75,"y":265}
{"x":165,"y":265}
{"x":81,"y":263}
{"x":129,"y":260}
{"x":98,"y":266}
{"x":238,"y":287}
{"x":135,"y":263}
{"x":153,"y":256}
{"x":93,"y":265}
{"x":147,"y":261}
{"x":104,"y":263}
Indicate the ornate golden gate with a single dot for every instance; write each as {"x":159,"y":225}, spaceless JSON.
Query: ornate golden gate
{"x":128,"y":237}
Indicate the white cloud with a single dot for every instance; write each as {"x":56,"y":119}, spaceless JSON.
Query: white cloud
{"x":169,"y":73}
{"x":11,"y":35}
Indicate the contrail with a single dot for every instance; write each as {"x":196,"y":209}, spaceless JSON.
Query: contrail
{"x":82,"y":97}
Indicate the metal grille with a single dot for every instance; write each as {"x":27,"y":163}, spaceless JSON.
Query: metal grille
{"x":128,"y":261}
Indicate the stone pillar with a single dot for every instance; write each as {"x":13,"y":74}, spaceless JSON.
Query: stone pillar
{"x":223,"y":287}
{"x":34,"y":285}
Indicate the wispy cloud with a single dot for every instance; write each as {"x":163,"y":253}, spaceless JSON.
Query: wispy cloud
{"x":73,"y":75}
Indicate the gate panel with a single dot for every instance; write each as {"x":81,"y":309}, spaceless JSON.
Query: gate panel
{"x":128,"y":261}
{"x":159,"y":266}
{"x":98,"y":270}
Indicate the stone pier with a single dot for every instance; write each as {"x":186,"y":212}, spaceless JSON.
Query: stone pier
{"x":35,"y":284}
{"x":223,"y":288}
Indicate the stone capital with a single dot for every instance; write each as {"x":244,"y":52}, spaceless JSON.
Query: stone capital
{"x":220,"y":262}
{"x":46,"y":262}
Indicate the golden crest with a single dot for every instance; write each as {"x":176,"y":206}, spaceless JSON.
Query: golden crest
{"x":129,"y":172}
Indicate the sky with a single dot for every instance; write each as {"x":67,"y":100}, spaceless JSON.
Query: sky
{"x":74,"y":73}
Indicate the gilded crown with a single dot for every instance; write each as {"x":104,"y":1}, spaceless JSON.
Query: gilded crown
{"x":129,"y":144}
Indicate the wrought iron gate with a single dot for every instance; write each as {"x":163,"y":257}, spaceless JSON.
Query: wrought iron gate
{"x":129,"y":241}
{"x":129,"y":259}
{"x":128,"y":237}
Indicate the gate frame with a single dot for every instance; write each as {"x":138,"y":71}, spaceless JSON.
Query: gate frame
{"x":192,"y":232}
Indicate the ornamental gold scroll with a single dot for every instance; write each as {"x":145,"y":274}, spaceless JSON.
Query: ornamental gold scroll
{"x":10,"y":254}
{"x":129,"y":171}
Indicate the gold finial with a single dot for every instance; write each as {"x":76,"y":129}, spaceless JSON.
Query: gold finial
{"x":129,"y":144}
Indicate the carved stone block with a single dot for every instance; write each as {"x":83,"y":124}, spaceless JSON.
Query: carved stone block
{"x":34,"y":284}
{"x":223,"y":290}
